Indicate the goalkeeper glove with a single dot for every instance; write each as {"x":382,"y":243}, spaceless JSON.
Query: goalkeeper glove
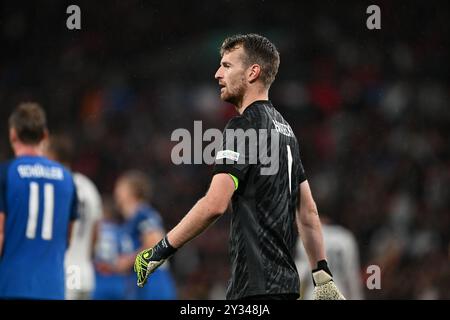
{"x":148,"y":260}
{"x":324,"y":286}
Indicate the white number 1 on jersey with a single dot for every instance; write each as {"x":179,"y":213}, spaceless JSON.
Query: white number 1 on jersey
{"x":289,"y":154}
{"x":33,"y":211}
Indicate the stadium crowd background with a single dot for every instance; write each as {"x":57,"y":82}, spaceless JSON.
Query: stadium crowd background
{"x":370,"y":110}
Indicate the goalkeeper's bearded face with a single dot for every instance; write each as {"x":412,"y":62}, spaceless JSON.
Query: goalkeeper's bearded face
{"x":232,"y":76}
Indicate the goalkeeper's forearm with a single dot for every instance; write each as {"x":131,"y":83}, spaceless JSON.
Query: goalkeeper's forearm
{"x":204,"y":213}
{"x":311,"y":234}
{"x":310,"y":230}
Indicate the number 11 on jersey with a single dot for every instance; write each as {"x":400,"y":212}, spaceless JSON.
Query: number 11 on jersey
{"x":33,"y":211}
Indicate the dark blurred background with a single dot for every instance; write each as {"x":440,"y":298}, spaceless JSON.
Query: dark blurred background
{"x":369,"y":107}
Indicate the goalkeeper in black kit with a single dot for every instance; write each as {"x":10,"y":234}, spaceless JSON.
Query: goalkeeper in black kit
{"x":269,"y":207}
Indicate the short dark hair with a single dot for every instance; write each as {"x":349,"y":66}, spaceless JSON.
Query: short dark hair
{"x":259,"y":50}
{"x":139,"y":182}
{"x":30,"y":122}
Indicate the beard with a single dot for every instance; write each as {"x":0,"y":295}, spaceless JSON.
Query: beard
{"x":234,"y":95}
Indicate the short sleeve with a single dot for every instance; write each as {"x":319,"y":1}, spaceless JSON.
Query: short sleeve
{"x":235,"y":155}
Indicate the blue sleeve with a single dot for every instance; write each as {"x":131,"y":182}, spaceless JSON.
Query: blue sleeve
{"x":3,"y":177}
{"x":74,"y":205}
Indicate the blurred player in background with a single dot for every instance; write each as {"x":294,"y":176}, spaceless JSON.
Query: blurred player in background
{"x":80,"y":252}
{"x":264,"y":206}
{"x":144,"y":226}
{"x":343,"y":257}
{"x":110,"y":245}
{"x":38,"y":202}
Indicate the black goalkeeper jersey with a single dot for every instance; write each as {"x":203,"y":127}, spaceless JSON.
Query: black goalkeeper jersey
{"x":263,"y":227}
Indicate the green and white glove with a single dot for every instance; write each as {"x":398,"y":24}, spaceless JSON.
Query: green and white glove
{"x":324,"y":286}
{"x":148,"y":260}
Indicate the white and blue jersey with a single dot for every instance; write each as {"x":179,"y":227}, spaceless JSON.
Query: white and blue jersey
{"x":38,"y":198}
{"x":160,"y":285}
